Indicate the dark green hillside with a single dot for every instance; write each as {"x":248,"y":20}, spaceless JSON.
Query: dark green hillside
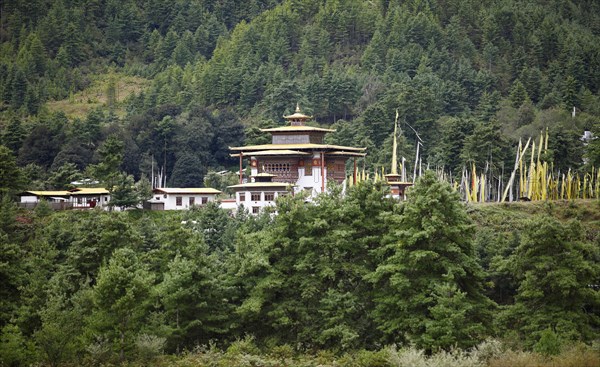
{"x":471,"y":77}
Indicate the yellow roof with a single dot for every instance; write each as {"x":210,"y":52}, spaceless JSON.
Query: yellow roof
{"x":89,"y":191}
{"x":295,"y":146}
{"x":251,"y":185}
{"x":272,"y":152}
{"x":187,"y":190}
{"x":297,"y":129}
{"x":264,"y":174}
{"x":350,"y":154}
{"x":297,"y":115}
{"x":47,"y":193}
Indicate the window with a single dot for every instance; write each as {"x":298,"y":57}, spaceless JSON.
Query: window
{"x":255,"y":196}
{"x":156,"y":197}
{"x":204,"y":200}
{"x":178,"y":200}
{"x":308,"y":168}
{"x":242,"y":196}
{"x":255,"y":209}
{"x":269,"y":196}
{"x":192,"y":200}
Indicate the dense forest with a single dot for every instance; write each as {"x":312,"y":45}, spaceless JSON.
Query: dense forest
{"x":107,"y":89}
{"x":178,"y":81}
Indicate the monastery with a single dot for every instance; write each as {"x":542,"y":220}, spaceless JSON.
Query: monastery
{"x":296,"y":160}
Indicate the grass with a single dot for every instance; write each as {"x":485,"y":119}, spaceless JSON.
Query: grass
{"x":81,"y":103}
{"x":508,"y":216}
{"x":490,"y":353}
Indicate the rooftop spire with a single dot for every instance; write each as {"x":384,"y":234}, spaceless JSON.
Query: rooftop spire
{"x":298,"y":118}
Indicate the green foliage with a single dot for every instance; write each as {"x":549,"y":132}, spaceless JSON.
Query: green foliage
{"x":429,"y":286}
{"x":549,"y":343}
{"x":121,"y":298}
{"x":15,"y":349}
{"x":11,"y":177}
{"x":471,"y":78}
{"x":554,"y":267}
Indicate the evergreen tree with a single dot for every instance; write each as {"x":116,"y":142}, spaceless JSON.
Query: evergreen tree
{"x":121,"y":299}
{"x":11,"y":176}
{"x":555,"y":268}
{"x":429,"y":286}
{"x":518,"y":94}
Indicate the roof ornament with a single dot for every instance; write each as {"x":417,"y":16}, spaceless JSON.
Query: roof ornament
{"x":297,"y":107}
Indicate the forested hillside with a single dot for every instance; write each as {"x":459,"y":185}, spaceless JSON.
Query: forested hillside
{"x":106,"y":90}
{"x":179,"y":81}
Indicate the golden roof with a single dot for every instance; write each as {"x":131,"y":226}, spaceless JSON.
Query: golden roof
{"x":284,"y":129}
{"x":297,"y":115}
{"x":272,"y":152}
{"x":89,"y":191}
{"x":264,"y":174}
{"x":349,"y":154}
{"x":47,"y":193}
{"x":252,"y":185}
{"x":311,"y":146}
{"x":187,"y":190}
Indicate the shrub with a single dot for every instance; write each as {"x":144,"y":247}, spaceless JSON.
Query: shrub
{"x":549,"y":343}
{"x":149,"y":346}
{"x":412,"y":357}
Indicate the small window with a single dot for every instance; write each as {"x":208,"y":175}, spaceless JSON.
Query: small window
{"x":192,"y":200}
{"x":308,"y":168}
{"x":269,"y":196}
{"x":204,"y":200}
{"x":178,"y":200}
{"x":255,"y":209}
{"x":242,"y":196}
{"x":156,"y":197}
{"x":255,"y":196}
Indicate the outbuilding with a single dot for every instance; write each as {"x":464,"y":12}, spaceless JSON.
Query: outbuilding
{"x":178,"y":198}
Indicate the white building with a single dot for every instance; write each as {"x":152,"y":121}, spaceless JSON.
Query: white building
{"x":175,"y":198}
{"x":78,"y":198}
{"x":56,"y":199}
{"x":89,"y":197}
{"x":260,"y":193}
{"x":298,"y":155}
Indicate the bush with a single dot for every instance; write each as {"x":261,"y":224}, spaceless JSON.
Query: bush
{"x":15,"y":350}
{"x":149,"y":346}
{"x":411,"y":357}
{"x":549,"y":343}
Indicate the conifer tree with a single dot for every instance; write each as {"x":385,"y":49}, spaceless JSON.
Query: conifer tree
{"x":121,"y":299}
{"x":429,"y":286}
{"x":556,"y":270}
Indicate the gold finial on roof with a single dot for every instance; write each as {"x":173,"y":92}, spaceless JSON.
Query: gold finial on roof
{"x":297,"y":107}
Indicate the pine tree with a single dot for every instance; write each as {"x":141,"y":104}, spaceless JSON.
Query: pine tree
{"x":11,"y":176}
{"x":429,"y":286}
{"x":555,"y":268}
{"x":121,"y":299}
{"x":518,"y":94}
